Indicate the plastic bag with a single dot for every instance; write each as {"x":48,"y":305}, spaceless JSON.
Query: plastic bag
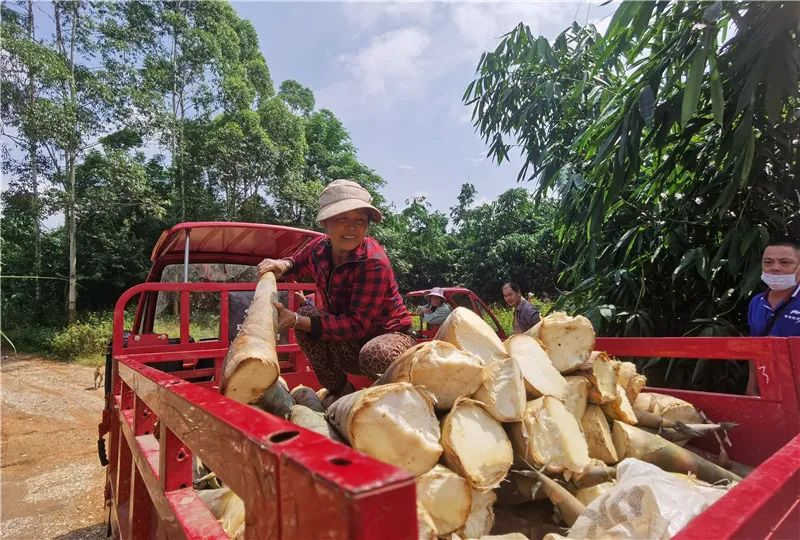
{"x":646,"y":502}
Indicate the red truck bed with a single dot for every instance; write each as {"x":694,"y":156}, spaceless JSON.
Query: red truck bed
{"x":297,"y":484}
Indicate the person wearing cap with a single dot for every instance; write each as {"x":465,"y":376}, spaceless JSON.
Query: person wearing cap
{"x":437,"y":309}
{"x":363,"y":324}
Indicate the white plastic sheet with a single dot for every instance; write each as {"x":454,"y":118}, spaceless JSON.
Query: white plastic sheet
{"x":645,"y":503}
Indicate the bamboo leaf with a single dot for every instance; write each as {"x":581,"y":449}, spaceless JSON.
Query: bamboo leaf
{"x":647,"y":105}
{"x":694,"y":82}
{"x":747,"y":161}
{"x":717,"y":95}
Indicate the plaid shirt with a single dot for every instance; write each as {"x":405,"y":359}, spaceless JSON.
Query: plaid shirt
{"x":360,"y":297}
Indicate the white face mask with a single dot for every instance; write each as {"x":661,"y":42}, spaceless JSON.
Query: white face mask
{"x":779,"y":282}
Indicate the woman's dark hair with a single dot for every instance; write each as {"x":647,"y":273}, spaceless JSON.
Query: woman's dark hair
{"x":514,"y":287}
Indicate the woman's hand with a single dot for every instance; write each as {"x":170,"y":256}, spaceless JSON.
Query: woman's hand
{"x":276,"y":266}
{"x":286,"y":319}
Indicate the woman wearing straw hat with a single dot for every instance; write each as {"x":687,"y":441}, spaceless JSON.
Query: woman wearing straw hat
{"x":437,"y":309}
{"x":363,"y":324}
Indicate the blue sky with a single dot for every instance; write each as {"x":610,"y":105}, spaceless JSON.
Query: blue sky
{"x":395,"y":73}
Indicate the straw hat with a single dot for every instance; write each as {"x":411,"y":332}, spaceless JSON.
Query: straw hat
{"x":341,"y":196}
{"x":436,"y":291}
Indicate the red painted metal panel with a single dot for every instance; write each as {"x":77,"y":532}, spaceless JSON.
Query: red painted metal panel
{"x":757,"y":506}
{"x":259,"y":456}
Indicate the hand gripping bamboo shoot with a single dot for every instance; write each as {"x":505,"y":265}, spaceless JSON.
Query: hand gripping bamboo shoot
{"x":541,"y":378}
{"x":481,"y":515}
{"x":503,"y":390}
{"x":577,"y":397}
{"x":476,"y":445}
{"x":394,"y":423}
{"x":466,"y":330}
{"x":620,"y":408}
{"x":251,"y":365}
{"x":632,"y":442}
{"x":598,"y":435}
{"x":446,"y":498}
{"x":439,"y":367}
{"x":550,"y":435}
{"x":568,"y":340}
{"x":601,"y":372}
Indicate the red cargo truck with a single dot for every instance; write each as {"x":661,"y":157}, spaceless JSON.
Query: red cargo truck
{"x":297,"y":484}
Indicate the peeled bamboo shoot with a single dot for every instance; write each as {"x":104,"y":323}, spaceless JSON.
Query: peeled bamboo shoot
{"x":393,"y":422}
{"x":587,"y":495}
{"x":476,"y":445}
{"x":550,"y":435}
{"x":568,"y":340}
{"x":620,"y":408}
{"x":441,"y":368}
{"x":631,"y":441}
{"x":466,"y":330}
{"x":502,"y":390}
{"x":446,"y":498}
{"x":251,"y":365}
{"x":598,"y":435}
{"x":601,"y":372}
{"x":226,"y":506}
{"x":669,"y":407}
{"x":577,"y":395}
{"x":481,"y":515}
{"x":541,"y":378}
{"x":630,"y":380}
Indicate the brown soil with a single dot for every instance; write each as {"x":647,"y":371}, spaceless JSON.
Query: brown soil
{"x":51,"y":478}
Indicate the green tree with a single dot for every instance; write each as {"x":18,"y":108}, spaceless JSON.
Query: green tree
{"x":672,"y":143}
{"x":297,"y":96}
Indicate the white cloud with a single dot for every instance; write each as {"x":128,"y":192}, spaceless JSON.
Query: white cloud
{"x":365,"y":15}
{"x":392,"y":61}
{"x":406,"y":167}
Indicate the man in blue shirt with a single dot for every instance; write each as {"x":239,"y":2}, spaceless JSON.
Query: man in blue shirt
{"x":776,"y":311}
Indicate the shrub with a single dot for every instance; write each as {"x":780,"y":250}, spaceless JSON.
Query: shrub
{"x":88,"y":336}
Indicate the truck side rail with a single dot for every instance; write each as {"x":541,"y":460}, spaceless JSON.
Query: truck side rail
{"x":766,"y":422}
{"x":294,"y":483}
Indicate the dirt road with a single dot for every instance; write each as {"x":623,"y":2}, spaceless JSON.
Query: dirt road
{"x":52,"y":481}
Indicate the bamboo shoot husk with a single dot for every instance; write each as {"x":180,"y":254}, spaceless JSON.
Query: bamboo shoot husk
{"x":630,"y":380}
{"x":251,"y":365}
{"x":446,"y":497}
{"x":541,"y":378}
{"x":568,"y":505}
{"x":549,"y":435}
{"x":601,"y":372}
{"x":466,"y":330}
{"x":476,"y":445}
{"x":394,"y":423}
{"x":598,"y":435}
{"x":503,"y":390}
{"x":620,"y":408}
{"x":669,"y":407}
{"x":577,"y":397}
{"x":425,"y":527}
{"x":568,"y":340}
{"x":633,"y":442}
{"x":303,"y":395}
{"x":226,"y":507}
{"x":314,"y":421}
{"x":439,"y":367}
{"x":587,"y":495}
{"x":481,"y":515}
{"x":276,"y":400}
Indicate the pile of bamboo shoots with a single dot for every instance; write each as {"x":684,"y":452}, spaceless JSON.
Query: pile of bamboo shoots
{"x":503,"y":437}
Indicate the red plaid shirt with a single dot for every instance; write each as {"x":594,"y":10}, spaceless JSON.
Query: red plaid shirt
{"x":360,"y":297}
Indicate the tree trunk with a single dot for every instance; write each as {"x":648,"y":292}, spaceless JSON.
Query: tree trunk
{"x":73,"y":259}
{"x":34,"y":171}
